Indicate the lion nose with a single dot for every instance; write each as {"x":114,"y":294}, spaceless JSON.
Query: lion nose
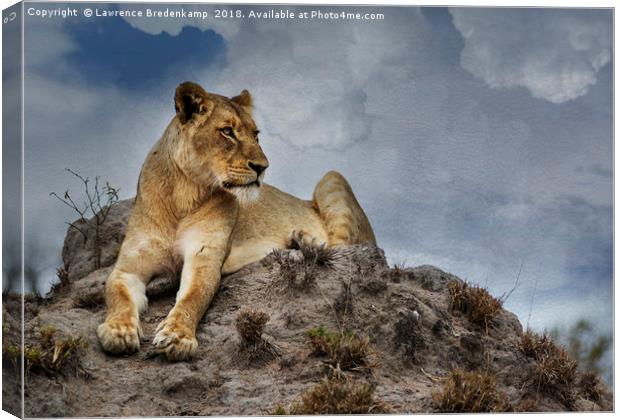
{"x":258,"y":168}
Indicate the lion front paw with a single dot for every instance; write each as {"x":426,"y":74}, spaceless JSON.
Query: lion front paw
{"x":120,"y":335}
{"x":175,"y":340}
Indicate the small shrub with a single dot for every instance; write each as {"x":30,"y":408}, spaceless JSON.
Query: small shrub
{"x":470,"y":392}
{"x":319,"y":339}
{"x":474,"y":302}
{"x":339,"y":396}
{"x":93,"y":212}
{"x":554,"y":371}
{"x":347,"y":350}
{"x":250,"y":324}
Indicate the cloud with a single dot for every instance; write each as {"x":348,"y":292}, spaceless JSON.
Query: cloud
{"x":71,"y":122}
{"x":311,"y":92}
{"x":555,"y":54}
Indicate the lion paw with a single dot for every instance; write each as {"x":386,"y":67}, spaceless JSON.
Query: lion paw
{"x":120,"y":335}
{"x":175,"y":341}
{"x":299,"y":238}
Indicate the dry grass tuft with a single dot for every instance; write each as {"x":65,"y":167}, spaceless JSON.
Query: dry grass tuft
{"x":321,"y":255}
{"x":533,"y":344}
{"x":554,"y":371}
{"x":475,"y":302}
{"x":63,"y":281}
{"x":591,"y":386}
{"x":294,"y":273}
{"x":339,"y":396}
{"x":250,"y":324}
{"x":398,"y":272}
{"x":470,"y":392}
{"x":53,"y":354}
{"x":348,"y":350}
{"x":298,"y":269}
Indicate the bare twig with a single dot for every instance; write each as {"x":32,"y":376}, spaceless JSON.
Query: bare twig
{"x":74,"y":226}
{"x":504,"y":298}
{"x":529,"y":315}
{"x":99,"y":201}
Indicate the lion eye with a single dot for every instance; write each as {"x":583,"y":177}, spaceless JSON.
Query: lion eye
{"x":228,"y":131}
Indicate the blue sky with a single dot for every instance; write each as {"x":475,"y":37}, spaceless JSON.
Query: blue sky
{"x":477,"y":139}
{"x":116,"y":54}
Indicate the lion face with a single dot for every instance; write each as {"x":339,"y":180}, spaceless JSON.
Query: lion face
{"x":219,"y":141}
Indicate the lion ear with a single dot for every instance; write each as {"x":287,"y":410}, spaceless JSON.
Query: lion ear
{"x":244,"y":99}
{"x":190,"y":99}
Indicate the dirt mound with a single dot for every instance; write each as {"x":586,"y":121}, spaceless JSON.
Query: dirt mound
{"x":302,"y":331}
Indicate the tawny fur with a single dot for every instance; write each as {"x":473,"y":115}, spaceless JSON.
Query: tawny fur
{"x":202,"y":208}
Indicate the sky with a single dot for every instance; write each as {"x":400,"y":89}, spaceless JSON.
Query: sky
{"x":477,"y":140}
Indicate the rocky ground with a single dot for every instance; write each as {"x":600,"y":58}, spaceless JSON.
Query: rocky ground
{"x":302,"y":331}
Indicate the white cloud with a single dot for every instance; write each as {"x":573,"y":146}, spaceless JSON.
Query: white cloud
{"x":555,"y":54}
{"x":51,"y":44}
{"x":310,"y":79}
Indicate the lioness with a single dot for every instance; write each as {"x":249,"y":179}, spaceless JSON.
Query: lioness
{"x":201,"y":203}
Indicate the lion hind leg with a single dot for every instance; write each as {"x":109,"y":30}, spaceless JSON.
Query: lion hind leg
{"x":300,"y":238}
{"x":342,"y":216}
